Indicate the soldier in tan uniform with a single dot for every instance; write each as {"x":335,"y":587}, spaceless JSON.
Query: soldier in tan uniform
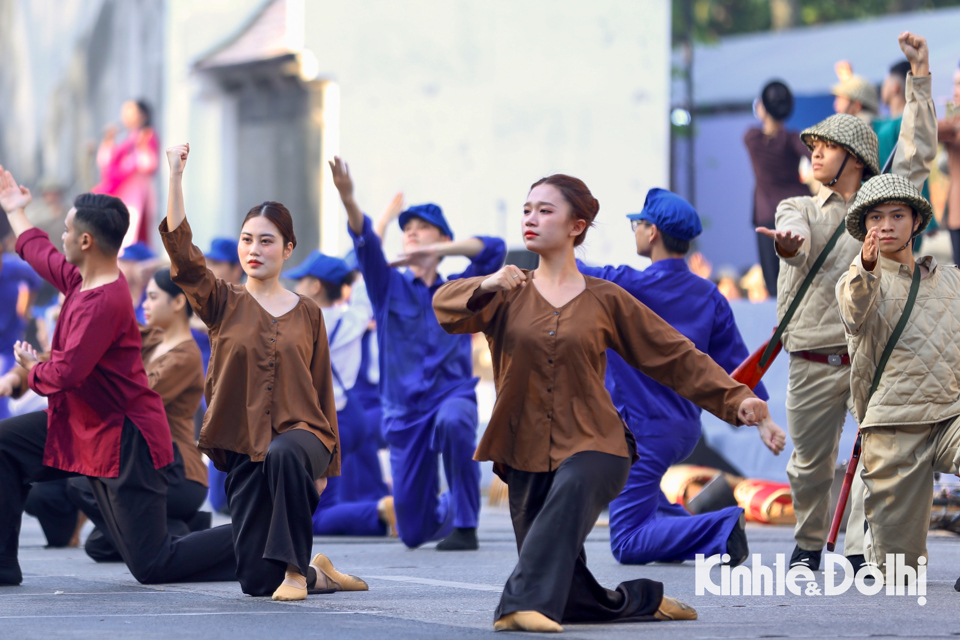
{"x":911,"y":422}
{"x":818,"y":392}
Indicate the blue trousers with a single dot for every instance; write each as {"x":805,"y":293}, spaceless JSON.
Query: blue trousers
{"x":646,"y":527}
{"x":348,"y":506}
{"x":450,"y":429}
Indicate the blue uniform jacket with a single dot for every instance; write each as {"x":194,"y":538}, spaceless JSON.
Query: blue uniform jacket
{"x":693,"y":306}
{"x":420,"y":363}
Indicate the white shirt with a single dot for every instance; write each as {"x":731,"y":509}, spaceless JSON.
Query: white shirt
{"x":350,"y":321}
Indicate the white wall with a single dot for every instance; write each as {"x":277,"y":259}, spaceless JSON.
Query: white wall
{"x":466,"y":103}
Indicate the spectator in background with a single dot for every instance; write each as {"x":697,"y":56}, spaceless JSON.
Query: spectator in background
{"x":127,"y":168}
{"x":948,"y":132}
{"x":775,"y":153}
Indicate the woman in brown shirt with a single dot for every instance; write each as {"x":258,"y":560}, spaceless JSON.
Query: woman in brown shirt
{"x":271,"y":422}
{"x":555,"y":437}
{"x":174,"y":369}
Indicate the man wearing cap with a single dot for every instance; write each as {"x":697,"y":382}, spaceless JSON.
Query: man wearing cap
{"x":321,"y":278}
{"x":426,"y":374}
{"x":818,"y":389}
{"x":644,"y":525}
{"x":856,"y":96}
{"x":910,"y":424}
{"x":775,"y":154}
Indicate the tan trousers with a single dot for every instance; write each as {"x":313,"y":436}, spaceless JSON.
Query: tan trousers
{"x":818,"y":399}
{"x":898,"y":466}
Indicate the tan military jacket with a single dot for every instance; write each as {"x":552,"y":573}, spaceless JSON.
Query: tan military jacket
{"x":921,"y":382}
{"x":817,"y":323}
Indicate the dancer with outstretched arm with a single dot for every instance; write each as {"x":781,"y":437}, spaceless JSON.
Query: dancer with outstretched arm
{"x":555,"y":437}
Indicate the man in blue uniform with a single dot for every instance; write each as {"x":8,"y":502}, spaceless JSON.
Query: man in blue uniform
{"x":426,"y":375}
{"x":644,"y":525}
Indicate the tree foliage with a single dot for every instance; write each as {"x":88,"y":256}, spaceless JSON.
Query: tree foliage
{"x":716,"y":18}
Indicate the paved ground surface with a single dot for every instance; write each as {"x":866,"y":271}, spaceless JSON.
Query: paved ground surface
{"x":429,"y":594}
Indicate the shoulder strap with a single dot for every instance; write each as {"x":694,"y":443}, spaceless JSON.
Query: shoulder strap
{"x":801,"y":292}
{"x":895,"y":336}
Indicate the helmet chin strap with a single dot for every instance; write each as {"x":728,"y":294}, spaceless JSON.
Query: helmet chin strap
{"x":842,"y":166}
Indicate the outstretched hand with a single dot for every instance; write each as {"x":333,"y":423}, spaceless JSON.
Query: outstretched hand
{"x":915,"y":48}
{"x":754,"y":412}
{"x":13,"y":197}
{"x":423,"y":257}
{"x":177,"y":158}
{"x":25,"y":355}
{"x":788,"y":241}
{"x":341,"y":178}
{"x":509,"y":277}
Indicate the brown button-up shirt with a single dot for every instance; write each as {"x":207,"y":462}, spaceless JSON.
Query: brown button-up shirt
{"x":549,"y":366}
{"x":266,"y":375}
{"x":177,"y":376}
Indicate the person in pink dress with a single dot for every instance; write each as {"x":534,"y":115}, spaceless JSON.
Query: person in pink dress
{"x":127,"y":168}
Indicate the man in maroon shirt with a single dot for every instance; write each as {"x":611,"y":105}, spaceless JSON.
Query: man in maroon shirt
{"x":103,"y":420}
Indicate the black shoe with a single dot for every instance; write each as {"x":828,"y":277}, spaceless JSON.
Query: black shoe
{"x":809,"y":558}
{"x":10,"y":572}
{"x":857,"y":561}
{"x":464,"y":539}
{"x":737,"y":543}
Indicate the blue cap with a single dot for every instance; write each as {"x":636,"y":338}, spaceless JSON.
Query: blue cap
{"x":320,"y":266}
{"x":351,"y":260}
{"x":428,"y":213}
{"x":223,"y":250}
{"x":137,"y":252}
{"x":671,"y":214}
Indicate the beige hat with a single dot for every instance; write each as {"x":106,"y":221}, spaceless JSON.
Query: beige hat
{"x":858,"y":89}
{"x":851,"y":133}
{"x":881,"y":189}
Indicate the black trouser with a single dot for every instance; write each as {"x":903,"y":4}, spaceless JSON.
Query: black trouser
{"x":184,"y":499}
{"x":769,"y":262}
{"x":56,"y":503}
{"x":132,"y":507}
{"x":49,"y":503}
{"x":552,"y":514}
{"x":272,"y":504}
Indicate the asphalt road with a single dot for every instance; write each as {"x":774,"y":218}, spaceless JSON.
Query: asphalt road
{"x":429,"y":594}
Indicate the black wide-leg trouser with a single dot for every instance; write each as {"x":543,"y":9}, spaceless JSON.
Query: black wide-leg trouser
{"x":132,"y":507}
{"x":552,"y":513}
{"x":272,"y":504}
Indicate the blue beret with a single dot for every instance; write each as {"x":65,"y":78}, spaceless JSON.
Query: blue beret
{"x":223,"y":250}
{"x":671,"y":214}
{"x":138,"y":252}
{"x":428,"y":213}
{"x":320,"y":266}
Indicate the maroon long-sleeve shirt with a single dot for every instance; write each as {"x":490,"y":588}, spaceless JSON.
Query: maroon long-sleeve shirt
{"x":95,"y":376}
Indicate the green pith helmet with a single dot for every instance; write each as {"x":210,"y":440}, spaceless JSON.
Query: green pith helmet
{"x":879,"y":190}
{"x":851,"y":133}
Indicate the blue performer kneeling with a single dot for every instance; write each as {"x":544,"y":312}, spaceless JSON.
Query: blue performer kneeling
{"x":341,"y":512}
{"x":426,"y":383}
{"x":644,"y":525}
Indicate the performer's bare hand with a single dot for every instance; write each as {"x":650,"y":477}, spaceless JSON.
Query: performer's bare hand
{"x":754,"y":412}
{"x":13,"y":197}
{"x":508,"y":278}
{"x":915,"y":48}
{"x":871,"y":249}
{"x":788,"y":241}
{"x":177,"y":158}
{"x":424,"y":257}
{"x":341,"y":178}
{"x":25,"y":355}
